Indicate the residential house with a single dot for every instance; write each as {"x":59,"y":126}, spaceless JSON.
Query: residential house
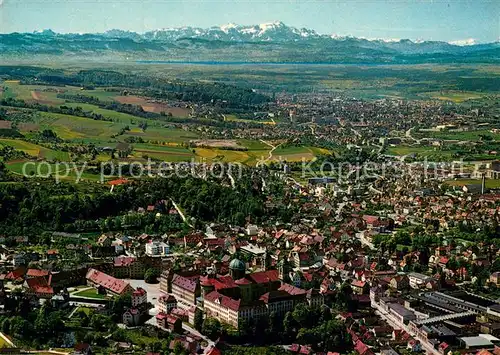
{"x":400,"y":282}
{"x":166,"y":303}
{"x":139,"y":297}
{"x":157,"y":248}
{"x":82,"y":349}
{"x":131,"y":317}
{"x":418,"y":280}
{"x":360,"y":287}
{"x":495,"y":278}
{"x":38,"y":287}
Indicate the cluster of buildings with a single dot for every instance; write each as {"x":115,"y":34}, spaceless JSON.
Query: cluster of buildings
{"x":423,"y":291}
{"x":238,"y":296}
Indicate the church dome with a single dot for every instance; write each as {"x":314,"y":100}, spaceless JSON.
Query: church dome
{"x":237,"y":264}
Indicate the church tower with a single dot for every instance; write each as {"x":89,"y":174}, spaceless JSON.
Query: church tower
{"x":283,"y":269}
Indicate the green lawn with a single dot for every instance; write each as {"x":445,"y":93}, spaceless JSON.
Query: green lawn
{"x":15,"y":89}
{"x":119,"y":116}
{"x":294,"y":153}
{"x":35,"y":150}
{"x":454,"y":96}
{"x":91,"y":293}
{"x":52,"y":170}
{"x":86,"y":310}
{"x":254,"y":144}
{"x":100,"y":93}
{"x":491,"y":184}
{"x":163,"y":152}
{"x":405,"y":150}
{"x":461,"y":136}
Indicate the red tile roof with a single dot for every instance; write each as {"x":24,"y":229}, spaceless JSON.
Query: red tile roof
{"x":139,"y":292}
{"x":443,"y":260}
{"x":108,"y":282}
{"x":243,"y":281}
{"x":224,"y":301}
{"x":443,"y":346}
{"x":171,"y":319}
{"x":161,"y":316}
{"x":292,"y":289}
{"x":36,"y":273}
{"x":275,"y":296}
{"x":37,"y":281}
{"x":265,"y":276}
{"x":362,"y":349}
{"x":371,"y":219}
{"x":39,"y":285}
{"x":184,"y":283}
{"x":214,"y":351}
{"x":484,"y":352}
{"x":295,"y":348}
{"x":124,"y":260}
{"x":16,"y":274}
{"x":118,"y":182}
{"x":359,"y":283}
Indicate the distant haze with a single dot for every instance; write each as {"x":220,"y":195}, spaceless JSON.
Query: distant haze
{"x":461,"y":21}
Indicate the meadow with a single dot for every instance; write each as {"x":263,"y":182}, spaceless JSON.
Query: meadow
{"x":48,"y":94}
{"x":462,"y":135}
{"x":35,"y":150}
{"x":490,"y":184}
{"x":453,"y":96}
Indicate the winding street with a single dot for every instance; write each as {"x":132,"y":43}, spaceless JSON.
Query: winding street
{"x":273,"y":148}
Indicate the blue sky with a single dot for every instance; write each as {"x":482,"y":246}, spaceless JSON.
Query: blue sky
{"x":415,"y":19}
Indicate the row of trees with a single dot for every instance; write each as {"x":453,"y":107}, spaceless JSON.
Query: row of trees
{"x":65,"y":110}
{"x":134,"y":110}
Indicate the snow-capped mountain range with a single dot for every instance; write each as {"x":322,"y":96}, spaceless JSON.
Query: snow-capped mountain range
{"x":274,"y":31}
{"x":268,"y":42}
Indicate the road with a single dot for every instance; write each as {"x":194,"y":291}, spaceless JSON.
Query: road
{"x":86,"y":304}
{"x":231,"y":178}
{"x":367,"y":243}
{"x":408,"y":135}
{"x":294,"y":181}
{"x":184,"y":219}
{"x":393,"y":322}
{"x":371,"y":188}
{"x":273,"y":148}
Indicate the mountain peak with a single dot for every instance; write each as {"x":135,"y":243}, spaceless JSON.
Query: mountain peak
{"x":464,"y":42}
{"x":45,"y":32}
{"x":272,"y":24}
{"x":229,"y":26}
